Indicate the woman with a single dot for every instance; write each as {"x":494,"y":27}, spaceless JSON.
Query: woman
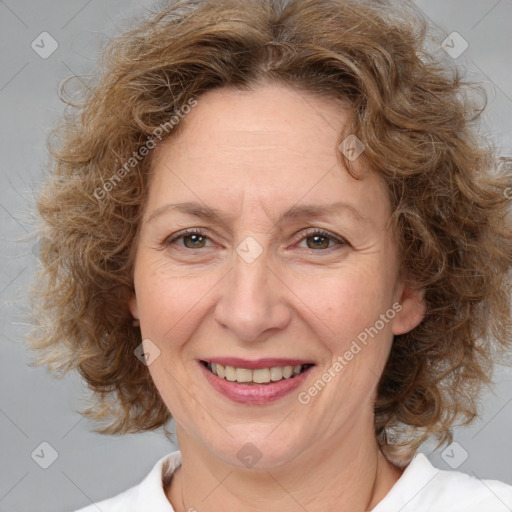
{"x":275,"y":222}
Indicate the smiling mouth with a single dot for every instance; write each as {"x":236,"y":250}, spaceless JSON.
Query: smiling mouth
{"x":259,"y":376}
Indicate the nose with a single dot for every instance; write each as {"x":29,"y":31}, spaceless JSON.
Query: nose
{"x":253,"y":304}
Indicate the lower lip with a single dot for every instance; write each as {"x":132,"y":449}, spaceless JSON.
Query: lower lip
{"x":254,"y":394}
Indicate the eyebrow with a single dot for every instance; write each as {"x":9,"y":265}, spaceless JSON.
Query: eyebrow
{"x":293,"y":213}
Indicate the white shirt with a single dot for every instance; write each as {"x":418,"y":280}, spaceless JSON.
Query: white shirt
{"x":421,"y":488}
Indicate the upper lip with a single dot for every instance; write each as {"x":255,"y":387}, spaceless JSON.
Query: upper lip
{"x":267,"y":362}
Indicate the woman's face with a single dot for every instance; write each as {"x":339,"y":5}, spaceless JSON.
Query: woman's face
{"x":257,"y":175}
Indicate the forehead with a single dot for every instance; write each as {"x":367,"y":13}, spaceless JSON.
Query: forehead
{"x":272,"y":147}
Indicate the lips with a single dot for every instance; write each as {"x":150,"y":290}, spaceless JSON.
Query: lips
{"x":255,"y":382}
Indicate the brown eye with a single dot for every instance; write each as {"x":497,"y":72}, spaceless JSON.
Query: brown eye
{"x":318,"y":242}
{"x":195,"y":241}
{"x":321,"y":240}
{"x":192,"y":239}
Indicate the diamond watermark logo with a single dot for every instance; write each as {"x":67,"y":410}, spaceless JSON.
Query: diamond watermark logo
{"x":249,"y":455}
{"x":454,"y":455}
{"x":44,"y":45}
{"x":147,"y":352}
{"x":454,"y":45}
{"x":44,"y":455}
{"x":249,"y":249}
{"x":352,"y":147}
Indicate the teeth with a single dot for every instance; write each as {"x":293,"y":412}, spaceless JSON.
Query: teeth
{"x":258,"y":376}
{"x":243,"y":375}
{"x":230,"y":373}
{"x":276,"y":373}
{"x":261,"y":375}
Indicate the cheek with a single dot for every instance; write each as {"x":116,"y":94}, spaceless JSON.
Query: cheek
{"x":168,"y":301}
{"x":343,"y":302}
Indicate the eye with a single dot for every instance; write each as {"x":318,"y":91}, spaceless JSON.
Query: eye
{"x":192,"y":239}
{"x":321,"y":239}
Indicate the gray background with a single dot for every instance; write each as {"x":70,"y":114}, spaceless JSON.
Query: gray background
{"x":35,"y":407}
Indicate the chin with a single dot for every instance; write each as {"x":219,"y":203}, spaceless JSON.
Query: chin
{"x":257,"y":453}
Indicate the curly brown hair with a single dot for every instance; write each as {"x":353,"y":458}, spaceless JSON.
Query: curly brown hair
{"x":447,"y":188}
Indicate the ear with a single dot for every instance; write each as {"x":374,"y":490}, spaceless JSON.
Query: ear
{"x":413,"y":309}
{"x":133,"y":306}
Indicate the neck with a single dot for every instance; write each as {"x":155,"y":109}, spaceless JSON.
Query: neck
{"x":343,"y":471}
